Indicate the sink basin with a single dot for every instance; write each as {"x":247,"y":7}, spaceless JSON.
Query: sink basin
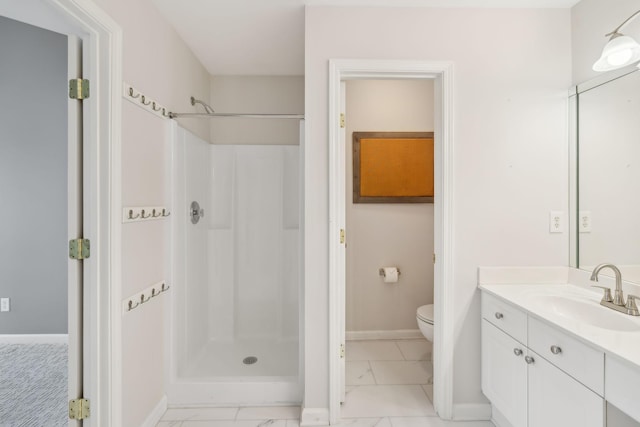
{"x":585,"y":311}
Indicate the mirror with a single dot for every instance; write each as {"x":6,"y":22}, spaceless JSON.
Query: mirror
{"x":607,"y":217}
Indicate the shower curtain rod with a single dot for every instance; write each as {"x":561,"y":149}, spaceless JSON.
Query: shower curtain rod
{"x":210,"y":113}
{"x":237,"y":115}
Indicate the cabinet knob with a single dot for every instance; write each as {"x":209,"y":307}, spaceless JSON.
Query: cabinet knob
{"x":499,"y":315}
{"x":529,"y":360}
{"x":555,"y":349}
{"x":517,"y":351}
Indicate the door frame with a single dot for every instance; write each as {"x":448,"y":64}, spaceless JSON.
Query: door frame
{"x":442,"y":74}
{"x":102,"y":65}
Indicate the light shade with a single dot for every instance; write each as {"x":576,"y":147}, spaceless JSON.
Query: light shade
{"x":620,"y":51}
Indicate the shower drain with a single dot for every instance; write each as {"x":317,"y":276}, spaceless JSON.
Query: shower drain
{"x":249,"y":360}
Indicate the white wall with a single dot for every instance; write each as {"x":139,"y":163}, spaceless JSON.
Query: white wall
{"x":158,"y":63}
{"x":590,"y":21}
{"x":256,"y":94}
{"x":511,"y":73}
{"x":389,"y":234}
{"x":33,"y":179}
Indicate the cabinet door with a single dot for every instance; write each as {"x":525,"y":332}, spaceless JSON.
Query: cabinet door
{"x":557,"y":400}
{"x":504,"y":374}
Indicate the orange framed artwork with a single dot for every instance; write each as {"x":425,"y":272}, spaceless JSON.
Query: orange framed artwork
{"x":393,"y":167}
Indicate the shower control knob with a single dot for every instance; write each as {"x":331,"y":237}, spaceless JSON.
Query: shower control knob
{"x":195,"y":212}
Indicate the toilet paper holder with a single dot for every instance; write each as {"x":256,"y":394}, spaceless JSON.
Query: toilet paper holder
{"x":381,"y":272}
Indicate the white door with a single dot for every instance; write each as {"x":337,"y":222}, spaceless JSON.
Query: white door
{"x":74,"y":225}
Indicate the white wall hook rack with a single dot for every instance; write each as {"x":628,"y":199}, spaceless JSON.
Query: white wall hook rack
{"x":144,"y":213}
{"x":133,"y":95}
{"x":143,"y":297}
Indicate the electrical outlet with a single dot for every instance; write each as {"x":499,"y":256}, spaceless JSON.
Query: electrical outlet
{"x":5,"y":304}
{"x":584,"y":221}
{"x":556,"y":222}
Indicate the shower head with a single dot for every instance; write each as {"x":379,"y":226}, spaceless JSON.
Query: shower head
{"x":206,"y":106}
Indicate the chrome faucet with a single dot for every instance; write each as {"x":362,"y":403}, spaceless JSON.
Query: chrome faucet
{"x":617,"y":302}
{"x":618,"y":298}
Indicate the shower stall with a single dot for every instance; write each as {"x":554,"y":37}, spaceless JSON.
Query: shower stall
{"x":234,"y":265}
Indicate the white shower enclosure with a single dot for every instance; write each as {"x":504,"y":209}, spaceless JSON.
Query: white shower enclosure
{"x":235,"y":307}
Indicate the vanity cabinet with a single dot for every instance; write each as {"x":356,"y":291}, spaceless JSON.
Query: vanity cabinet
{"x":557,"y":399}
{"x":623,"y":380}
{"x":532,"y":390}
{"x":504,"y":374}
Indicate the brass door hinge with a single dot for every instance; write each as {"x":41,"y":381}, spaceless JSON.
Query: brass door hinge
{"x":78,"y":89}
{"x":434,"y":258}
{"x":342,"y":236}
{"x":341,"y":120}
{"x":341,"y":351}
{"x":79,"y":409}
{"x":79,"y":249}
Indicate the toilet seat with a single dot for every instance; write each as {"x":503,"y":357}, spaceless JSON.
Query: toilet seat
{"x":425,"y":313}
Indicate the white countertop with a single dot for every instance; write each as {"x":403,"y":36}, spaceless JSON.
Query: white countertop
{"x":537,"y":300}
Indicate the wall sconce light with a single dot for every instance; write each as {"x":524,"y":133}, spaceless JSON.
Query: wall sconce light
{"x":619,"y":51}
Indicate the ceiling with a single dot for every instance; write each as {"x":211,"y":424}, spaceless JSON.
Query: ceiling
{"x":266,"y":37}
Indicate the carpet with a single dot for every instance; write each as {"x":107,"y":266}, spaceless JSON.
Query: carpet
{"x":33,"y":385}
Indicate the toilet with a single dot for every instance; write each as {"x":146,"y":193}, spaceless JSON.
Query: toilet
{"x":424,"y":316}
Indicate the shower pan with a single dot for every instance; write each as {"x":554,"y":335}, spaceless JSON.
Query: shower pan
{"x":234,"y":260}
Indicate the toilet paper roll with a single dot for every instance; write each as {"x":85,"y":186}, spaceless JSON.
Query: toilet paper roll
{"x":390,"y":274}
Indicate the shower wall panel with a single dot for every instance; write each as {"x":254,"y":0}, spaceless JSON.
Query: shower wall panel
{"x":193,"y":171}
{"x":254,"y":242}
{"x":291,"y":243}
{"x":258,"y":254}
{"x":222,"y":244}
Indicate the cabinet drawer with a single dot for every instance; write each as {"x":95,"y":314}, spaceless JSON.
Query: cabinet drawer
{"x":581,"y":361}
{"x":622,"y":386}
{"x":505,"y":316}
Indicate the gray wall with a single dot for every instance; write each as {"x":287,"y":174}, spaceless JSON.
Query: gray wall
{"x":33,"y":179}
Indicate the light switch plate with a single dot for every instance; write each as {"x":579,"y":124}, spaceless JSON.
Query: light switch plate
{"x":5,"y":304}
{"x":556,"y":222}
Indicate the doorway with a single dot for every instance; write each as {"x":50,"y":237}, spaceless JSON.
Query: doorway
{"x":385,"y":353}
{"x":442,"y":75}
{"x":41,"y":189}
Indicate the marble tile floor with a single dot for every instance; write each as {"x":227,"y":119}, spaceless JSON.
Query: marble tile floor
{"x":388,"y":378}
{"x":389,"y":384}
{"x":275,"y":416}
{"x":351,"y":422}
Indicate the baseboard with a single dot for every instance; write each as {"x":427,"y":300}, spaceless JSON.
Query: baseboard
{"x":401,"y":334}
{"x":34,"y":339}
{"x":314,"y":417}
{"x":156,"y":413}
{"x":472,"y":412}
